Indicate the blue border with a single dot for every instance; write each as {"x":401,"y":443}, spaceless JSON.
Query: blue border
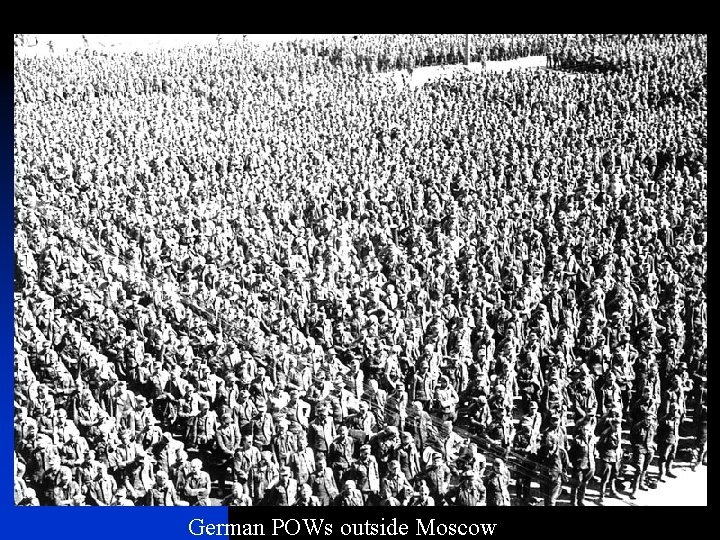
{"x":53,"y":522}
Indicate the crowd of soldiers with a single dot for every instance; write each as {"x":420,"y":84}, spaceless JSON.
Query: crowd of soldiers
{"x":250,"y":275}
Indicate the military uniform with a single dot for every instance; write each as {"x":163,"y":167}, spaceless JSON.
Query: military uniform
{"x":582,"y":457}
{"x":496,"y":486}
{"x":323,"y":486}
{"x":642,"y":438}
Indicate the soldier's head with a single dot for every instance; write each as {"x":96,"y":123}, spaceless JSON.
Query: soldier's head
{"x":125,"y":436}
{"x":302,"y":440}
{"x":161,"y":478}
{"x":305,"y":492}
{"x":196,"y":465}
{"x":247,"y":441}
{"x":65,"y":476}
{"x":349,"y":485}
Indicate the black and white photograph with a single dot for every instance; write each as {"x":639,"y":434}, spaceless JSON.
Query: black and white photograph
{"x":360,"y":270}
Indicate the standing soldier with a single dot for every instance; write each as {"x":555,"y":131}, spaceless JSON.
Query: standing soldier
{"x":470,"y":492}
{"x":198,"y":485}
{"x":668,"y":435}
{"x":642,"y":436}
{"x":610,"y":452}
{"x":555,"y":460}
{"x":582,"y":457}
{"x":496,"y":485}
{"x":322,"y":482}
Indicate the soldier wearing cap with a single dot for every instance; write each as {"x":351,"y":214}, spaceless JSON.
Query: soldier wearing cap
{"x":284,"y":442}
{"x":422,"y":386}
{"x":643,"y":429}
{"x":263,"y":427}
{"x":497,"y":483}
{"x":437,"y":475}
{"x":419,"y":424}
{"x":554,"y":458}
{"x":282,"y":492}
{"x":366,"y":475}
{"x":609,"y":446}
{"x":668,"y":434}
{"x":341,"y":452}
{"x":321,"y":431}
{"x":394,"y":484}
{"x":322,"y":482}
{"x":302,"y":461}
{"x":422,"y":495}
{"x":470,"y":491}
{"x":66,"y":491}
{"x":244,"y":410}
{"x":408,"y":456}
{"x":206,"y":426}
{"x":227,"y":440}
{"x":582,"y":458}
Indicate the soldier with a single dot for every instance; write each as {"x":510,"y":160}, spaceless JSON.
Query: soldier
{"x":227,"y":440}
{"x":437,"y":476}
{"x":642,"y":436}
{"x":394,"y":485}
{"x":162,"y":493}
{"x":582,"y":458}
{"x":553,"y":457}
{"x":245,"y":457}
{"x":67,"y":491}
{"x":446,"y":400}
{"x":302,"y":461}
{"x":198,"y":485}
{"x":350,"y":495}
{"x":496,"y":485}
{"x":422,"y":495}
{"x":102,"y":488}
{"x":263,"y":427}
{"x":366,"y":475}
{"x":238,"y":496}
{"x":341,"y":453}
{"x":282,"y":492}
{"x":470,"y":492}
{"x":668,"y":433}
{"x":321,"y":431}
{"x":305,"y":497}
{"x":322,"y":482}
{"x":609,"y":446}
